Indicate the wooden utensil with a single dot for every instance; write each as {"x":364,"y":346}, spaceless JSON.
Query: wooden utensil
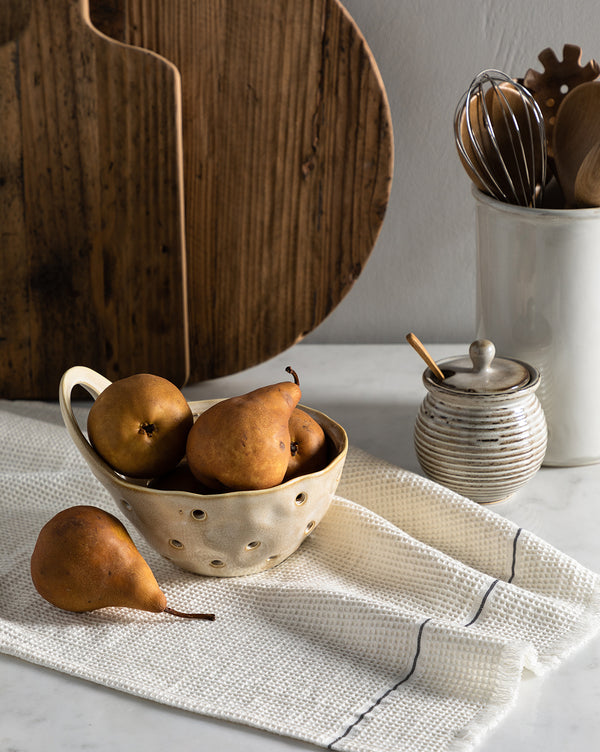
{"x":587,"y":181}
{"x":420,"y":348}
{"x":558,"y":78}
{"x":91,"y":204}
{"x":575,"y":134}
{"x":288,"y":164}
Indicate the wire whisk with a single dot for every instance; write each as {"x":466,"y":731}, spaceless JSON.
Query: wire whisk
{"x":501,"y":139}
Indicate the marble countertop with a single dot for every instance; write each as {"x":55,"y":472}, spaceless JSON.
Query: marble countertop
{"x":374,"y":391}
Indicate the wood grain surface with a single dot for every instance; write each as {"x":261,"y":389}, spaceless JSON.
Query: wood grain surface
{"x":575,"y":133}
{"x":288,"y":156}
{"x":14,"y":17}
{"x":92,"y":254}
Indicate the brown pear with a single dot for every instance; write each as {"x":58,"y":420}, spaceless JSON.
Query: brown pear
{"x":84,"y":559}
{"x":308,"y":443}
{"x":243,"y":443}
{"x":180,"y":479}
{"x":139,"y":425}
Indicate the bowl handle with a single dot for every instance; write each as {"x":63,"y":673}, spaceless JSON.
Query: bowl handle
{"x":94,"y":383}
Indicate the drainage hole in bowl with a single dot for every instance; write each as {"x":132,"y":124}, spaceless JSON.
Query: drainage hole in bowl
{"x":252,"y":545}
{"x":217,"y":563}
{"x":199,"y":514}
{"x":175,"y":543}
{"x":310,"y":527}
{"x":272,"y":558}
{"x":126,"y":504}
{"x":301,"y":498}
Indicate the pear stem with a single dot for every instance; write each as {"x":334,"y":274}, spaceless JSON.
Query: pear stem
{"x":206,"y":617}
{"x":289,"y":369}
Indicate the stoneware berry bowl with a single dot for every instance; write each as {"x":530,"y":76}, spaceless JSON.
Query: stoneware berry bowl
{"x":218,"y":534}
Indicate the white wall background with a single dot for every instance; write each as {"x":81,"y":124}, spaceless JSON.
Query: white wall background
{"x":421,"y":274}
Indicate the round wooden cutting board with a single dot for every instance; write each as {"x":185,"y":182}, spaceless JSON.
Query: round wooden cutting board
{"x":288,"y":159}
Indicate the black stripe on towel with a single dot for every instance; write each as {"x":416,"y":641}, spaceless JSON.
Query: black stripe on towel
{"x":514,"y":559}
{"x":495,"y":582}
{"x":387,"y":692}
{"x":482,"y":604}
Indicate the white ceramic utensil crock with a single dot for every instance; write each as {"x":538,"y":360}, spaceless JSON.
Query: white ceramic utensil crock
{"x":225,"y":534}
{"x":481,"y":430}
{"x":538,"y":299}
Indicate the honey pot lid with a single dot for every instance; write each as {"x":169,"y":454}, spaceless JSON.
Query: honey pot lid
{"x":482,"y":372}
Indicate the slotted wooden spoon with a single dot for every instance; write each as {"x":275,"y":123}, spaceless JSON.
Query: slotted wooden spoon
{"x":558,"y":77}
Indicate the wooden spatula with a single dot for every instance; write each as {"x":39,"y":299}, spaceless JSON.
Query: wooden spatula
{"x":587,"y":180}
{"x":288,"y":163}
{"x":575,"y":134}
{"x":92,"y":257}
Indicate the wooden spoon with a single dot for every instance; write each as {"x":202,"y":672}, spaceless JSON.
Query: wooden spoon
{"x":575,"y":134}
{"x":587,"y":181}
{"x":420,"y":348}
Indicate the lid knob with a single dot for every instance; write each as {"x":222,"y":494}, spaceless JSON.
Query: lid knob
{"x":482,"y":353}
{"x":481,"y":372}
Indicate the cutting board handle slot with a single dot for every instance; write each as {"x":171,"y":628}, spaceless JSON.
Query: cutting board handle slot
{"x":92,"y":131}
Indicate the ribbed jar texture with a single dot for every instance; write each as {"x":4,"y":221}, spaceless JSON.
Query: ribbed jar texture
{"x":484,"y":447}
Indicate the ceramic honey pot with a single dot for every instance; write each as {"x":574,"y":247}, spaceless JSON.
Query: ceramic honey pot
{"x":481,"y":430}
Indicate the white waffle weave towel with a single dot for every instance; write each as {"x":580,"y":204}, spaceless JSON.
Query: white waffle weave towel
{"x":404,"y":622}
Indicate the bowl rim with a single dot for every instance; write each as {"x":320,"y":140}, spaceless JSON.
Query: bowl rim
{"x":94,"y":383}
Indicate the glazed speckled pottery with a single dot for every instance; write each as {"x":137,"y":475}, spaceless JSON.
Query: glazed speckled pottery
{"x":481,"y":430}
{"x":220,"y":534}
